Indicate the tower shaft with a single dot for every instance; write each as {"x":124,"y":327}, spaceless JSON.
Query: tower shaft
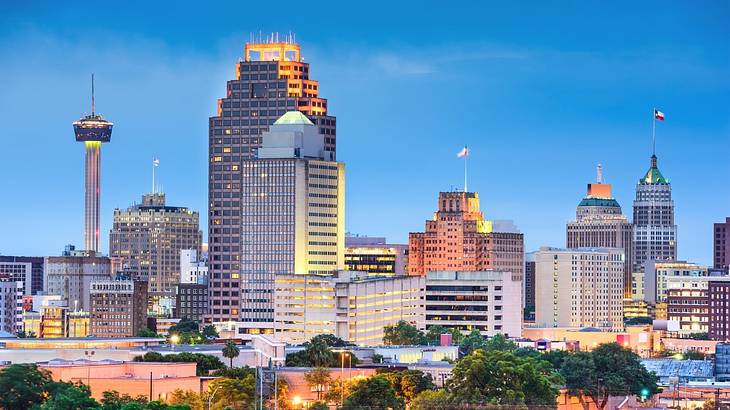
{"x":92,"y":187}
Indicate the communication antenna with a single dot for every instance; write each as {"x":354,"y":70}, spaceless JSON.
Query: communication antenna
{"x":92,"y":94}
{"x":599,"y":173}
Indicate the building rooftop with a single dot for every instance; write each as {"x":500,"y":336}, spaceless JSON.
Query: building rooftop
{"x":653,"y":176}
{"x":608,"y":202}
{"x":293,"y":118}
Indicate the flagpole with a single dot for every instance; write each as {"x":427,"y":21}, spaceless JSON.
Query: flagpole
{"x":653,"y":131}
{"x":465,"y":159}
{"x":153,"y":176}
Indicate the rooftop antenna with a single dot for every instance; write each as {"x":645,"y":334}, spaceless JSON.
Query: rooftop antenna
{"x":155,"y":164}
{"x":599,"y":173}
{"x":92,"y":94}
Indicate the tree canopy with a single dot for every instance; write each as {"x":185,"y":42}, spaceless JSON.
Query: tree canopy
{"x":403,"y":333}
{"x":205,"y":363}
{"x":373,"y":393}
{"x":408,"y":383}
{"x":607,"y":370}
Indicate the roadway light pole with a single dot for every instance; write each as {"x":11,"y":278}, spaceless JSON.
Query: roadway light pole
{"x":210,"y":398}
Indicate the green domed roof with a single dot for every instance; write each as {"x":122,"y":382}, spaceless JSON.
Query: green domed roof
{"x":653,"y":176}
{"x":293,"y":118}
{"x":610,"y":202}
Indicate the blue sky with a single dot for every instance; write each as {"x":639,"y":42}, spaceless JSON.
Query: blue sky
{"x":541,"y":92}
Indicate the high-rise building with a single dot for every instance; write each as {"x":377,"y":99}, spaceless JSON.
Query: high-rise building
{"x":579,"y":287}
{"x":21,"y":272}
{"x":11,"y":306}
{"x":191,"y":301}
{"x":349,"y":305}
{"x":375,"y":256}
{"x":292,"y":220}
{"x":92,"y":130}
{"x":718,"y":294}
{"x":688,"y":301}
{"x":458,"y":238}
{"x":599,"y":223}
{"x":656,"y":274}
{"x":118,"y":308}
{"x":71,"y":277}
{"x":271,"y":79}
{"x":481,"y":300}
{"x":148,"y":238}
{"x":529,"y":286}
{"x":36,"y":270}
{"x":721,"y":244}
{"x":193,"y":266}
{"x":655,"y":234}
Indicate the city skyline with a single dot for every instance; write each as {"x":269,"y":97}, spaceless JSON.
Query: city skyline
{"x":387,"y":123}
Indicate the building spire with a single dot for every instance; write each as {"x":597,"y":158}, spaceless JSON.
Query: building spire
{"x":92,"y":94}
{"x":599,"y":173}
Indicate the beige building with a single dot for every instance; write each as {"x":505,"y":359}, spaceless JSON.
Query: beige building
{"x":54,"y":321}
{"x":118,"y":308}
{"x":375,"y":256}
{"x":71,"y":277}
{"x":292,"y":221}
{"x":599,"y":223}
{"x":350,"y":305}
{"x":656,"y":274}
{"x":148,"y":239}
{"x":482,"y":300}
{"x":579,"y":287}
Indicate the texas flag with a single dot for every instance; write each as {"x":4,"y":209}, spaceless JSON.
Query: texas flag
{"x":463,"y":153}
{"x":658,"y":115}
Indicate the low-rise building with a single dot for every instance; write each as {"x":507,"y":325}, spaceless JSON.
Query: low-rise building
{"x":71,"y":277}
{"x":688,"y":301}
{"x":375,"y":256}
{"x":481,"y":300}
{"x":191,"y":301}
{"x":11,"y":306}
{"x":353,"y":306}
{"x":656,"y":274}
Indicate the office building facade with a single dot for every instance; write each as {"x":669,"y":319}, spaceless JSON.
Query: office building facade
{"x":688,"y":302}
{"x":721,"y":245}
{"x":148,"y":238}
{"x":193,"y":266}
{"x":579,"y":288}
{"x":375,"y":256}
{"x":477,"y":300}
{"x":599,"y":223}
{"x":350,"y":305}
{"x":36,"y":270}
{"x":657,"y":273}
{"x":118,"y":308}
{"x":718,"y":294}
{"x":70,"y":277}
{"x":655,"y":233}
{"x":11,"y":306}
{"x":458,"y":238}
{"x":191,"y":301}
{"x":271,"y":80}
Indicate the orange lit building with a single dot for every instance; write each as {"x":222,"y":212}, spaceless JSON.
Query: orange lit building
{"x":458,"y":238}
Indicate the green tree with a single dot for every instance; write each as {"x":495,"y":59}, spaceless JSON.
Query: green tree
{"x":429,"y":400}
{"x":235,"y":372}
{"x":231,"y":351}
{"x":318,"y":405}
{"x":210,"y":332}
{"x":145,"y":332}
{"x":184,"y":325}
{"x":640,"y":320}
{"x":377,"y":358}
{"x":22,"y":386}
{"x":502,"y":378}
{"x":205,"y":363}
{"x":70,"y":396}
{"x":337,"y":389}
{"x":408,"y":383}
{"x":474,"y":340}
{"x":555,"y":358}
{"x":500,"y":343}
{"x":608,"y":370}
{"x":113,"y":400}
{"x":318,"y":379}
{"x":188,"y":398}
{"x":25,"y":335}
{"x":403,"y":333}
{"x":237,"y":393}
{"x":319,"y":353}
{"x":331,"y":340}
{"x":373,"y":393}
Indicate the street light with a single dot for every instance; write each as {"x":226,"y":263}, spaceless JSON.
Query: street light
{"x":296,"y":401}
{"x":174,"y":339}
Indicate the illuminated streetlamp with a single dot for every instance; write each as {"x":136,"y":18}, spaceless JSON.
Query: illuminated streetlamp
{"x":174,"y":339}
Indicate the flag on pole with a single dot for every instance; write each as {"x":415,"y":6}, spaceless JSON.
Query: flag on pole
{"x":463,"y":153}
{"x":658,"y":115}
{"x":156,"y":162}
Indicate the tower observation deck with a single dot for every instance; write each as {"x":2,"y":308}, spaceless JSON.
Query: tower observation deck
{"x":92,"y":130}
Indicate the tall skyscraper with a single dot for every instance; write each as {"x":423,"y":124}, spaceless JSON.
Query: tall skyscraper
{"x":721,"y":244}
{"x":458,"y":238}
{"x":92,"y":130}
{"x":148,"y":238}
{"x":579,"y":288}
{"x":655,"y":234}
{"x":292,"y":220}
{"x":271,"y":80}
{"x":599,"y":223}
